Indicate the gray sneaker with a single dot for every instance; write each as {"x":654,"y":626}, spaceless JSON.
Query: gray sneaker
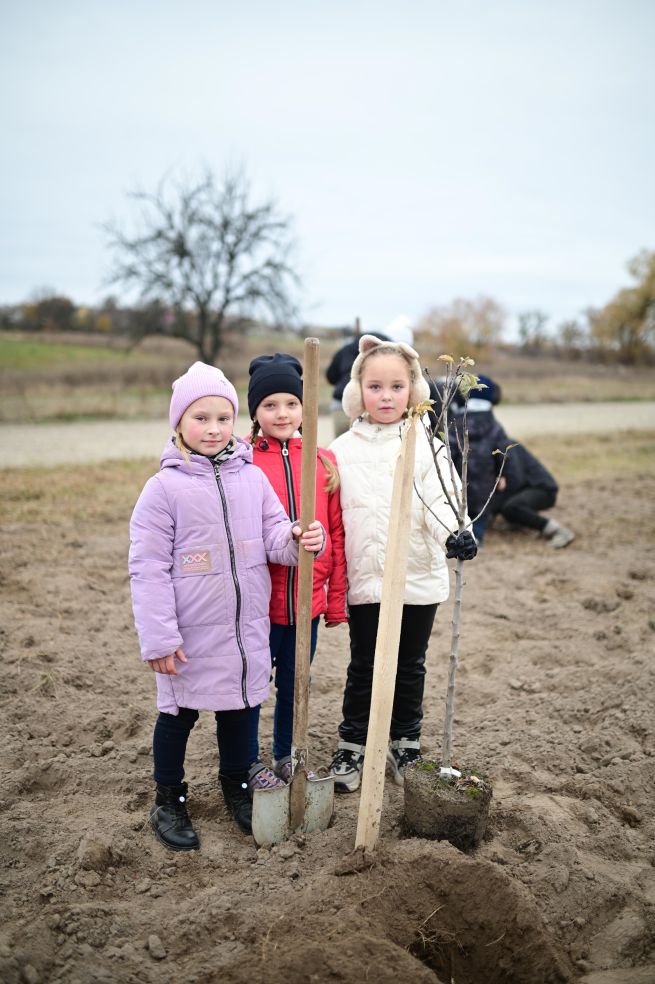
{"x":402,"y":752}
{"x":346,"y":766}
{"x":561,"y":538}
{"x":558,"y":536}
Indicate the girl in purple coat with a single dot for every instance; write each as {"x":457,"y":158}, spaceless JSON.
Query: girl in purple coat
{"x":201,"y":535}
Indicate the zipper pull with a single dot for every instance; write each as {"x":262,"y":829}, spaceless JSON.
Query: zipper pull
{"x":285,"y":450}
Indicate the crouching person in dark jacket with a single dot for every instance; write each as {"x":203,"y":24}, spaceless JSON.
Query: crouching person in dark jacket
{"x":485,"y":436}
{"x":526,"y":488}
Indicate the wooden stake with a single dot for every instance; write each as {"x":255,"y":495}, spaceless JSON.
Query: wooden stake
{"x":299,"y":751}
{"x":386,"y":644}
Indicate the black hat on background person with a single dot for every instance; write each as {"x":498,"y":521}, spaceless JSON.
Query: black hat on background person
{"x":338,"y":372}
{"x":479,"y":400}
{"x":277,"y":373}
{"x":492,"y":392}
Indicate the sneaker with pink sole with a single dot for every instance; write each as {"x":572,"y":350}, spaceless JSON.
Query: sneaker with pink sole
{"x":282,"y":769}
{"x":261,"y":777}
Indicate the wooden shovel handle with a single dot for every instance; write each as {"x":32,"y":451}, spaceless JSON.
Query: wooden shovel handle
{"x":305,"y":580}
{"x":386,"y":643}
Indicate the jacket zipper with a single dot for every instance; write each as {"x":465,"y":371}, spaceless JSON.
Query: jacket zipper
{"x":237,"y":588}
{"x":291,"y":571}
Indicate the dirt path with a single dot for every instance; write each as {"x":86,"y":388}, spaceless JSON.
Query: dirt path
{"x":24,"y":445}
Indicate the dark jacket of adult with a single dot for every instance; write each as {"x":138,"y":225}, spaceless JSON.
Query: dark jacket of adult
{"x":338,"y":372}
{"x":523,"y":471}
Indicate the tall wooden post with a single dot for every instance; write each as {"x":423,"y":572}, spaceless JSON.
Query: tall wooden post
{"x":386,"y":645}
{"x":299,"y":751}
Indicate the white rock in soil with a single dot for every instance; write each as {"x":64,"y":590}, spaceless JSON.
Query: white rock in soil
{"x":156,"y":947}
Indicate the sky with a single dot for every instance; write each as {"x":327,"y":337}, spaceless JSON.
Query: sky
{"x":425,"y":150}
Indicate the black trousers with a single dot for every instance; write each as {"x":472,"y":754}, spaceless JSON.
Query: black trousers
{"x":172,"y":733}
{"x":522,"y":508}
{"x":407,"y":715}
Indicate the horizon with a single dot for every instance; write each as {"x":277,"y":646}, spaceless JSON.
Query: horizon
{"x":423,"y":154}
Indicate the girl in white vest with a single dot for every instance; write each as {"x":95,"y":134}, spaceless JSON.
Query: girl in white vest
{"x":386,"y":380}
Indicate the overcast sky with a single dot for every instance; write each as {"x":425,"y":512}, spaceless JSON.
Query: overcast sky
{"x":426,"y":150}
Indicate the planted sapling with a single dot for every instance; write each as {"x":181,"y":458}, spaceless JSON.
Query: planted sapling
{"x":437,"y":420}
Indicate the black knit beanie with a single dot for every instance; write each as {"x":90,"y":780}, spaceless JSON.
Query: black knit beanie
{"x":273,"y":374}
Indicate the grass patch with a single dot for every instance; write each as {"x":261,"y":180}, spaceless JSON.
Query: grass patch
{"x":28,"y":354}
{"x":107,"y":492}
{"x":65,"y":378}
{"x":584,"y":457}
{"x":68,"y":495}
{"x":41,"y":377}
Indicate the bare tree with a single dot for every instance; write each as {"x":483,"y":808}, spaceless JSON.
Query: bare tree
{"x":626,"y":324}
{"x":463,"y":325}
{"x":208,"y":255}
{"x":532,"y":330}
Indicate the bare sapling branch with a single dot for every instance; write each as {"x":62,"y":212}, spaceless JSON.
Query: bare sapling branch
{"x":458,"y":380}
{"x":498,"y":478}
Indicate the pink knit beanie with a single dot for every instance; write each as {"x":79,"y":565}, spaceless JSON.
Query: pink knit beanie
{"x":198,"y":381}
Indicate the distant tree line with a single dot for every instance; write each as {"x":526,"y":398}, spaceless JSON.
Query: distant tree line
{"x":203,"y":260}
{"x":622,"y":331}
{"x":50,"y":312}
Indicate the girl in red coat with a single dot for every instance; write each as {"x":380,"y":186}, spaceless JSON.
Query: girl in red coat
{"x":275,"y":405}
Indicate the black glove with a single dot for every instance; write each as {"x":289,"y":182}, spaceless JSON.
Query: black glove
{"x":462,"y":546}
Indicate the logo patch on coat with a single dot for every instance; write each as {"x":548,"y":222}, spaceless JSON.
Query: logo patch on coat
{"x":196,"y":562}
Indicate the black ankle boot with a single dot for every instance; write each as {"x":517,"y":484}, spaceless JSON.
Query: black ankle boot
{"x":170,"y":821}
{"x":237,"y":800}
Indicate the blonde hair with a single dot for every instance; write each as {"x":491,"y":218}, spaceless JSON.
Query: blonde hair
{"x":391,"y":349}
{"x":352,"y":399}
{"x":332,"y":475}
{"x":333,"y":480}
{"x":181,"y":446}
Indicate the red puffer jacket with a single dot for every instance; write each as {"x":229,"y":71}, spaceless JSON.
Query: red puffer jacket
{"x":330,"y":589}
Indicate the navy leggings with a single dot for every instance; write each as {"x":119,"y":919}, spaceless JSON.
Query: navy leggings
{"x":172,"y":733}
{"x":283,"y":654}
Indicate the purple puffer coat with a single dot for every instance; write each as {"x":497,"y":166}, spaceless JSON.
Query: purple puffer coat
{"x":199,"y":545}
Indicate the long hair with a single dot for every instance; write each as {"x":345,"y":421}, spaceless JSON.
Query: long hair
{"x":181,"y":446}
{"x":333,"y":480}
{"x":332,"y":474}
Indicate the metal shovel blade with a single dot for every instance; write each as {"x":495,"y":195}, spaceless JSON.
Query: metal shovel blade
{"x":270,"y":810}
